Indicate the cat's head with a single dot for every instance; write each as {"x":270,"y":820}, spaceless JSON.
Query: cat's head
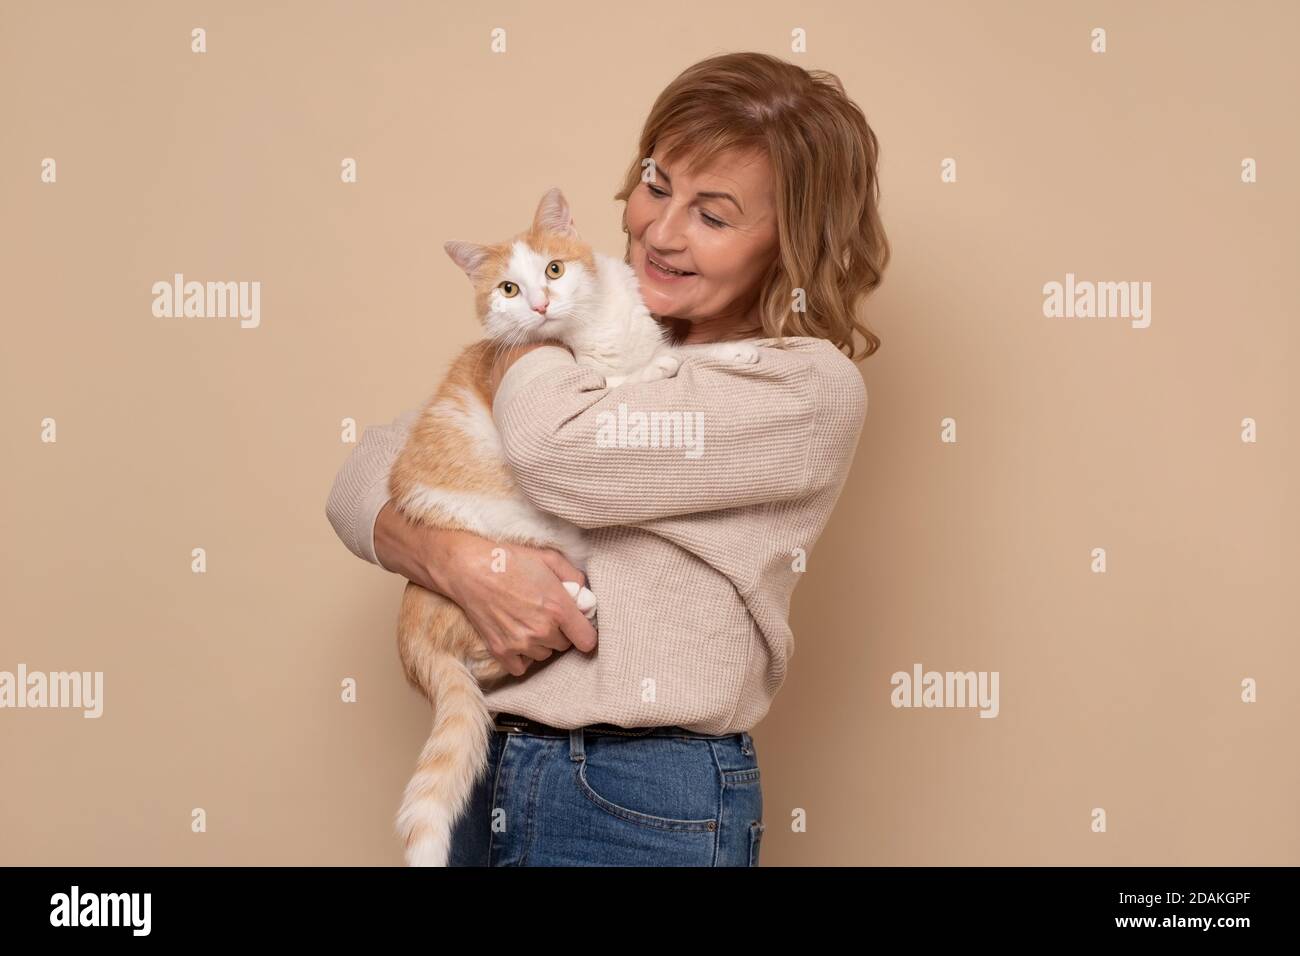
{"x":541,"y":284}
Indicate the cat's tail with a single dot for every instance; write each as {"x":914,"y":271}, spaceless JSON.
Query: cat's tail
{"x":453,"y":758}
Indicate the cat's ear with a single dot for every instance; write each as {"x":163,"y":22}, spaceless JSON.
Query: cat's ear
{"x":468,"y":255}
{"x":553,"y":215}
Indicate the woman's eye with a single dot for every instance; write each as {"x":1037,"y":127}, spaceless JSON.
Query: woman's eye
{"x":555,"y":269}
{"x":659,"y":193}
{"x":509,"y":289}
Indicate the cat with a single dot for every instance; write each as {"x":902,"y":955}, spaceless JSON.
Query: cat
{"x":452,"y":473}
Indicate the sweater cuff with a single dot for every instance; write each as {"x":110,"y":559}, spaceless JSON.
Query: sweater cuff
{"x":371,"y":505}
{"x":525,"y":369}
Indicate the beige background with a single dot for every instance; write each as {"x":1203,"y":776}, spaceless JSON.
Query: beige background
{"x":1119,"y":691}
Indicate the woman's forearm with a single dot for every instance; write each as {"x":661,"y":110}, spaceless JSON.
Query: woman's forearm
{"x":360,"y":487}
{"x":718,"y":435}
{"x":519,"y":608}
{"x":424,"y":555}
{"x":507,"y":357}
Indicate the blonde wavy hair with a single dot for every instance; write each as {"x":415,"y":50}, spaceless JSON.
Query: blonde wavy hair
{"x":823,"y":156}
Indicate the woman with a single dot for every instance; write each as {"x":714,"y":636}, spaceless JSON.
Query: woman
{"x":755,"y":218}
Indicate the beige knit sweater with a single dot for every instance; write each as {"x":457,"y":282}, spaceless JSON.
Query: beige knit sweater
{"x":694,"y":547}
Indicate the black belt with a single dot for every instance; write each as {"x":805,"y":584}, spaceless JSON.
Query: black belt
{"x":518,"y":724}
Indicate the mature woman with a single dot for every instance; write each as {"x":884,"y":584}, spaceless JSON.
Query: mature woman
{"x":757,"y":219}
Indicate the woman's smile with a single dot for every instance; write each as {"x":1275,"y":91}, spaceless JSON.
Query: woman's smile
{"x":657,"y":271}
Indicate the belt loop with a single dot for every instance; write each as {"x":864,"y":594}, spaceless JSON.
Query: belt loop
{"x":577,"y":750}
{"x":746,"y":743}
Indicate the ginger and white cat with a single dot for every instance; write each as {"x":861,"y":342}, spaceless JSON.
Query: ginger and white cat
{"x":545,"y":283}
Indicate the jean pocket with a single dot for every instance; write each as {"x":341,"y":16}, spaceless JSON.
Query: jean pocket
{"x":745,"y":765}
{"x":755,"y":840}
{"x":657,"y":782}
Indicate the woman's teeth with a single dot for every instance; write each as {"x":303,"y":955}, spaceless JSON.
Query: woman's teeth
{"x":671,"y":272}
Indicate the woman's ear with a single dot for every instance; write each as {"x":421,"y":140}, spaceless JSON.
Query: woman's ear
{"x":553,"y":215}
{"x":468,"y":255}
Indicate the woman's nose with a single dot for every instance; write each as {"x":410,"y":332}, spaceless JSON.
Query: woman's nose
{"x":665,"y":232}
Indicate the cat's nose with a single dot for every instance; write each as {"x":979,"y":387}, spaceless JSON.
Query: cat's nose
{"x":541,"y":309}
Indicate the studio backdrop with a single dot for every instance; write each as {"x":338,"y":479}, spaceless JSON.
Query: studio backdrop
{"x":1074,"y":493}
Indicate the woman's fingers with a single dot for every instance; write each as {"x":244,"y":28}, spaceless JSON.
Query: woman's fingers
{"x":582,"y":597}
{"x":539,"y":607}
{"x":576,"y":627}
{"x":561,"y":565}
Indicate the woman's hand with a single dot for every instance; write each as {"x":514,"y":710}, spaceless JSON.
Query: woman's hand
{"x":522,"y":612}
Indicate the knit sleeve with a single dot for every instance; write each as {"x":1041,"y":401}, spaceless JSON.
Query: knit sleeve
{"x":360,"y":488}
{"x":718,"y":435}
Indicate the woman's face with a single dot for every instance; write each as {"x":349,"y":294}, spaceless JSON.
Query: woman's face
{"x":718,"y":225}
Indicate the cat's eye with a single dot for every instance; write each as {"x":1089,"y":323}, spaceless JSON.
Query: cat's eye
{"x":509,"y":289}
{"x":555,"y":269}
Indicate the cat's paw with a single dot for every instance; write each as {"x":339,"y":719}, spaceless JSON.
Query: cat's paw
{"x":741,"y":353}
{"x":584,"y":598}
{"x":664,"y":365}
{"x":661,"y":367}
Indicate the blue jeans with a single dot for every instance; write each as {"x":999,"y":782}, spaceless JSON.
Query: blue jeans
{"x":660,"y":796}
